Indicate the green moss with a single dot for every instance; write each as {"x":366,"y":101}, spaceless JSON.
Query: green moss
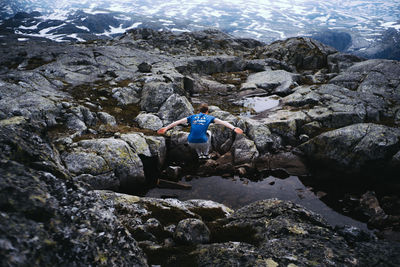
{"x":40,"y":198}
{"x":95,"y":91}
{"x":50,"y":243}
{"x":101,"y":258}
{"x":12,"y":121}
{"x":297,"y":230}
{"x":127,"y":199}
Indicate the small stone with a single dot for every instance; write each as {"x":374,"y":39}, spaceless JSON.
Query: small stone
{"x":192,"y":231}
{"x":174,"y":172}
{"x":304,"y":138}
{"x":144,"y":67}
{"x":242,"y":171}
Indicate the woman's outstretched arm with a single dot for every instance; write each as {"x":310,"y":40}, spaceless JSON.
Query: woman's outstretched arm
{"x":172,"y":125}
{"x":230,"y":126}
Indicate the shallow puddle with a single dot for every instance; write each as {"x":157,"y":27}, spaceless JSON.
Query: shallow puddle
{"x":238,"y":192}
{"x":260,"y":103}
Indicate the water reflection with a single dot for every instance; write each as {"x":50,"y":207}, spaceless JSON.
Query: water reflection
{"x":260,"y":103}
{"x":235,"y":193}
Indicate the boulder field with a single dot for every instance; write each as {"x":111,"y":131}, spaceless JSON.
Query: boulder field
{"x":78,"y":144}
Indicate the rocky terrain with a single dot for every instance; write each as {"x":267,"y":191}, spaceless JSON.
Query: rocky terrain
{"x":78,"y":145}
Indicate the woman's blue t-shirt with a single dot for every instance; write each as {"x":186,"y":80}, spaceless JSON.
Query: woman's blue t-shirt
{"x":199,"y":125}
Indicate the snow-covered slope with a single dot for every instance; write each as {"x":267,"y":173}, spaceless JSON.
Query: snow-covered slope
{"x":366,"y":22}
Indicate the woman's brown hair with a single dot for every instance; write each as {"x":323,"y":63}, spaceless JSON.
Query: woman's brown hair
{"x":203,"y":108}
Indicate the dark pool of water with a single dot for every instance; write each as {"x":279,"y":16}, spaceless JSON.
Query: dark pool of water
{"x":237,"y":192}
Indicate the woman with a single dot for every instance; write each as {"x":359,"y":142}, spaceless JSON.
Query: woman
{"x":199,"y":137}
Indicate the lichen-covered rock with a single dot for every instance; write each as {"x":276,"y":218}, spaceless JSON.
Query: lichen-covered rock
{"x":244,"y":150}
{"x":119,"y":156}
{"x":137,"y":142}
{"x":25,"y":142}
{"x":102,"y":181}
{"x":127,"y":95}
{"x":149,"y":121}
{"x":377,"y":83}
{"x":192,"y":231}
{"x":51,"y":222}
{"x":174,"y":108}
{"x":82,"y":162}
{"x":31,"y":95}
{"x":273,"y":233}
{"x":261,"y":135}
{"x":279,"y":82}
{"x":154,"y":94}
{"x":354,"y":148}
{"x":158,"y":148}
{"x":339,"y":62}
{"x":106,"y":118}
{"x":303,"y":53}
{"x":285,"y":124}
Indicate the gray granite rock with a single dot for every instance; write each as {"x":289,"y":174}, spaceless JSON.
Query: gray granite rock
{"x":279,"y":82}
{"x":244,"y":150}
{"x":300,"y":52}
{"x":149,"y":121}
{"x":192,"y":231}
{"x":119,"y":156}
{"x":354,"y":148}
{"x":106,"y":118}
{"x":174,"y":108}
{"x":127,"y":95}
{"x":154,"y":95}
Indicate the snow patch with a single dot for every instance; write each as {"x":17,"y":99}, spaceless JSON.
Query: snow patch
{"x":83,"y":28}
{"x":33,"y":27}
{"x":179,"y":30}
{"x":391,"y":25}
{"x":120,"y":29}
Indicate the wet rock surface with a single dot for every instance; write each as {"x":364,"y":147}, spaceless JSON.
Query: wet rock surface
{"x":80,"y":118}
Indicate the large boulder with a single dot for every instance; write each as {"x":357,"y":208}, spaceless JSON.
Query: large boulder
{"x":149,"y":121}
{"x":174,"y":108}
{"x":210,"y":65}
{"x":244,"y":150}
{"x":359,"y":147}
{"x":223,"y":137}
{"x":31,"y":95}
{"x":158,"y":148}
{"x":279,"y":82}
{"x":274,"y":233}
{"x":154,"y":94}
{"x":26,"y":142}
{"x":48,"y":221}
{"x":301,"y":52}
{"x":98,"y":156}
{"x":339,"y":62}
{"x":192,"y":231}
{"x":261,"y":135}
{"x":127,"y":95}
{"x":379,"y":78}
{"x":334,"y":106}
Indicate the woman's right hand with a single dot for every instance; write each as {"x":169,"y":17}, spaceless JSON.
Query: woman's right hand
{"x":238,"y":131}
{"x":162,"y":130}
